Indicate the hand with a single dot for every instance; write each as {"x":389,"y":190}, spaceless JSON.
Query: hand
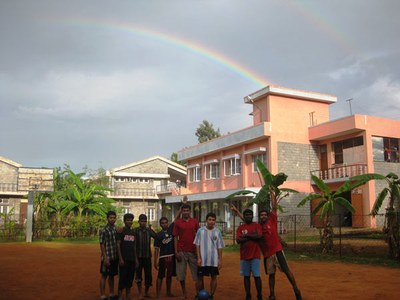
{"x":219,"y":265}
{"x":199,"y":261}
{"x":106,"y":262}
{"x":121,"y":262}
{"x":178,"y":256}
{"x":156,"y":266}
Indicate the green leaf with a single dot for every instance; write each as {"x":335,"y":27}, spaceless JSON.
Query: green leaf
{"x":321,"y":185}
{"x":379,"y":200}
{"x":309,"y":198}
{"x":318,"y":207}
{"x":344,"y":202}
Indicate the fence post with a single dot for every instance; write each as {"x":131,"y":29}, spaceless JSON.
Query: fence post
{"x":295,"y":229}
{"x":340,"y":235}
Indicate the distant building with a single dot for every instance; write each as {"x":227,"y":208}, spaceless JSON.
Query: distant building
{"x":291,"y":133}
{"x":15,"y":182}
{"x":141,"y":187}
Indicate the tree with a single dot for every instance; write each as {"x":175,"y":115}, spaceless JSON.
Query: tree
{"x":270,"y":193}
{"x":85,"y":197}
{"x":174,"y":158}
{"x":391,"y":227}
{"x":326,"y":207}
{"x":206,"y":132}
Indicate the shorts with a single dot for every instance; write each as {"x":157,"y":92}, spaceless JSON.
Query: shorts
{"x":208,"y":271}
{"x":166,"y":267}
{"x":126,"y":275}
{"x":111,"y":271}
{"x":250,"y":266}
{"x":188,"y":258}
{"x":278,"y":260}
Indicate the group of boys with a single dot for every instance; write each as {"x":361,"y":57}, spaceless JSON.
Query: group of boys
{"x":127,"y":252}
{"x":255,"y":238}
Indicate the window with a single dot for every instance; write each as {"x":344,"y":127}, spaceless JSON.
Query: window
{"x":126,"y":210}
{"x":151,"y":214}
{"x":385,"y":149}
{"x":212,"y":171}
{"x":195,"y":173}
{"x":4,"y":209}
{"x":126,"y":203}
{"x":233,"y":166}
{"x":144,"y":180}
{"x":345,"y":144}
{"x":260,"y":156}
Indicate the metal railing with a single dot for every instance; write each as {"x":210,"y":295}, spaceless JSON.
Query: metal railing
{"x":341,"y":172}
{"x":8,"y":187}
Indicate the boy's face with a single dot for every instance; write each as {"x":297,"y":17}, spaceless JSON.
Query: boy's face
{"x":128,"y":222}
{"x":186,"y":213}
{"x":164,"y":224}
{"x":111,"y":219}
{"x":263,"y":216}
{"x":143,"y":223}
{"x":248,"y":218}
{"x":210,"y":222}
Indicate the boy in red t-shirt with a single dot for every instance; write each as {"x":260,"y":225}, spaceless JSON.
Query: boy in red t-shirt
{"x":248,"y":236}
{"x":184,"y":233}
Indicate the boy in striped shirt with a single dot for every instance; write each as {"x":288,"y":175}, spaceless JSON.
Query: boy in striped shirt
{"x":209,"y":244}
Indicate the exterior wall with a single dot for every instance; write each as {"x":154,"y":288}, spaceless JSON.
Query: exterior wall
{"x":8,"y":177}
{"x":384,"y":168}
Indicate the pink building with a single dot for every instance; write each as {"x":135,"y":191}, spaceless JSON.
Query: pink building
{"x":291,"y":133}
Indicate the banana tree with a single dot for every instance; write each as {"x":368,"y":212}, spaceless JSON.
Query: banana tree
{"x":326,"y":207}
{"x":270,"y":193}
{"x":391,"y":227}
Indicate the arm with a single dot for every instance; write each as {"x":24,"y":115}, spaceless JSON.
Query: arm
{"x":104,"y":255}
{"x":219,"y":258}
{"x":179,"y":212}
{"x":156,"y":255}
{"x":121,"y":259}
{"x":177,"y":256}
{"x":237,"y":212}
{"x":198,"y":255}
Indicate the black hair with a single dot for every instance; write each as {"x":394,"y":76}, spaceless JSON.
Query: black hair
{"x":212,"y":215}
{"x":185,"y":206}
{"x":142,"y":217}
{"x":128,"y":216}
{"x":263,"y":211}
{"x":162,"y":219}
{"x":111,"y":213}
{"x":247,"y":211}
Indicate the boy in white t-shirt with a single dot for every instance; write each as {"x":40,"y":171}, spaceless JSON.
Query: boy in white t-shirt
{"x":209,"y":244}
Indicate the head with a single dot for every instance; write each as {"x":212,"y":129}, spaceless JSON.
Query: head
{"x":111,"y":217}
{"x":164,"y":223}
{"x":248,"y":216}
{"x":128,"y":219}
{"x":263,"y":215}
{"x":186,"y":211}
{"x":143,"y":221}
{"x":210,"y":220}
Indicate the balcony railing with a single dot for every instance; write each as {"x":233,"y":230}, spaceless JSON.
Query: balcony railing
{"x":167,"y":188}
{"x":342,"y":172}
{"x":133,"y":192}
{"x":8,"y":187}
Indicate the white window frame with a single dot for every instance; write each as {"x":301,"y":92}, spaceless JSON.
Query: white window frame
{"x":151,"y":214}
{"x":232,"y":165}
{"x":194,"y":173}
{"x":260,"y":156}
{"x":212,"y":170}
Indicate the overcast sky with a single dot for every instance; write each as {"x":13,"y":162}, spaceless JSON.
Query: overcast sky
{"x":106,"y":83}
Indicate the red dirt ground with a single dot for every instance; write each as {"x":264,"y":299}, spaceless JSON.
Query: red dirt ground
{"x":71,"y":271}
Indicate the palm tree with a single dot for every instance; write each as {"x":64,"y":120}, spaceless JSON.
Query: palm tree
{"x":326,"y":206}
{"x":270,"y":190}
{"x":391,"y":227}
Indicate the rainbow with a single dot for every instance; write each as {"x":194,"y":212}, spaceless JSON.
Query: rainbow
{"x":184,"y":44}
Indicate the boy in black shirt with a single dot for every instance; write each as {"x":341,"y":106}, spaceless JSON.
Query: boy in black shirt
{"x":143,"y":235}
{"x":126,"y":243}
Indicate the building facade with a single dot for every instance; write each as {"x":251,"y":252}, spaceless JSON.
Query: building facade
{"x":291,"y":133}
{"x":141,"y":187}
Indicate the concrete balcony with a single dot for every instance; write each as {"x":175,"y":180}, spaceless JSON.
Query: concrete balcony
{"x":340,"y":173}
{"x":133,"y":193}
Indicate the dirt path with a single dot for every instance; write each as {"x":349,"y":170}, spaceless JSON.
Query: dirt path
{"x":66,"y":271}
